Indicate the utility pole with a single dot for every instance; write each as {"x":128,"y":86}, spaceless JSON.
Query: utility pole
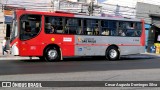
{"x":51,"y":5}
{"x":91,"y":8}
{"x":1,"y":5}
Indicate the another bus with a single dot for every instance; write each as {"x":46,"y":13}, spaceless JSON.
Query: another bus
{"x":54,"y":35}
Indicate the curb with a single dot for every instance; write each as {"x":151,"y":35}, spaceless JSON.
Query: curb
{"x":154,"y":54}
{"x":9,"y":57}
{"x":16,"y":58}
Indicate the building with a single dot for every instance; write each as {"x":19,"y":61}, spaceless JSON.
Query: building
{"x":151,"y":13}
{"x":2,"y":23}
{"x":127,"y":8}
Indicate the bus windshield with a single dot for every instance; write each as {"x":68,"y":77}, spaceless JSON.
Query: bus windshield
{"x":29,"y":26}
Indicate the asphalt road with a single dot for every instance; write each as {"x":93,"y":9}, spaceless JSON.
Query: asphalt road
{"x":80,"y":64}
{"x":129,"y":68}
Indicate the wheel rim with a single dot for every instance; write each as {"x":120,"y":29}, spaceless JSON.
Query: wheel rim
{"x":52,"y":54}
{"x":113,"y":53}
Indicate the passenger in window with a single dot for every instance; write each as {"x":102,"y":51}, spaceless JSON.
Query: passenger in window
{"x":135,"y":33}
{"x":130,"y":26}
{"x":96,"y":31}
{"x":121,"y":33}
{"x":52,"y":29}
{"x":79,"y":31}
{"x":105,"y":32}
{"x":65,"y":30}
{"x":48,"y":28}
{"x":27,"y":32}
{"x":89,"y":31}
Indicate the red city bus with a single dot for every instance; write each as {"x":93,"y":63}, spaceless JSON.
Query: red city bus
{"x":54,"y":35}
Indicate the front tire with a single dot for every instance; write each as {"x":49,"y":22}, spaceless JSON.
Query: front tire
{"x":112,"y":53}
{"x":52,"y":54}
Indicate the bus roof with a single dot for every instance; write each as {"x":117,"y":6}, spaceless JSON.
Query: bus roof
{"x":66,"y":14}
{"x":108,"y":18}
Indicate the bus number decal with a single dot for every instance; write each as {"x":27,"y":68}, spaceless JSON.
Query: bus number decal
{"x":33,"y":47}
{"x":67,"y":39}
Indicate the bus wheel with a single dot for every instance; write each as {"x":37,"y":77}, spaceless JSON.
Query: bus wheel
{"x":52,"y":54}
{"x":112,"y":53}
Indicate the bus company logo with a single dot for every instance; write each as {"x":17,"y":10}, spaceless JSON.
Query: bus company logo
{"x":6,"y":84}
{"x":79,"y":39}
{"x":86,"y":40}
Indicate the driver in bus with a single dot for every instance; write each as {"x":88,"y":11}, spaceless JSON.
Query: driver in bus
{"x":28,"y":28}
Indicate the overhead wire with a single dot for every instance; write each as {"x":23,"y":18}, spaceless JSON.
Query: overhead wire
{"x":131,"y":11}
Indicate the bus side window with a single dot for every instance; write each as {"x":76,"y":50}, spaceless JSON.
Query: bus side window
{"x":72,"y":25}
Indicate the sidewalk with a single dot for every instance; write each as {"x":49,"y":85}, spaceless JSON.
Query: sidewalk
{"x":153,"y":54}
{"x":11,"y":57}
